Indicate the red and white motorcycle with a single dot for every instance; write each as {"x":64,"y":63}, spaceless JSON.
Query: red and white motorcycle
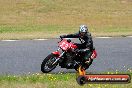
{"x":64,"y":55}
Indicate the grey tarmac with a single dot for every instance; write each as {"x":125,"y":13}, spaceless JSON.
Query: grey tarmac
{"x":26,"y":56}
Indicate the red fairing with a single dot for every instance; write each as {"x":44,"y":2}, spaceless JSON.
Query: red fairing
{"x":57,"y":53}
{"x":73,"y":46}
{"x":94,"y":54}
{"x":65,"y":45}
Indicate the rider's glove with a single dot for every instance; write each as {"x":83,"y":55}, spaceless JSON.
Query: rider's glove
{"x":61,"y":37}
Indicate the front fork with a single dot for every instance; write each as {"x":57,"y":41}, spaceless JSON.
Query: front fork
{"x":58,"y":55}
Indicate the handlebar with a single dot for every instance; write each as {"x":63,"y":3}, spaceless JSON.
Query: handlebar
{"x":68,"y":40}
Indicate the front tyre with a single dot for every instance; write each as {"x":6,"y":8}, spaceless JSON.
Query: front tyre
{"x":47,"y":64}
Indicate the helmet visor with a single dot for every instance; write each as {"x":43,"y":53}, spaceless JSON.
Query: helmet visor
{"x":82,"y":33}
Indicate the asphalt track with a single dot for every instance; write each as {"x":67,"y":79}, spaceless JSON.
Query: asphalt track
{"x":25,"y":56}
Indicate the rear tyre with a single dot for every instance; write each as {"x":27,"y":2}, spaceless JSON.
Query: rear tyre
{"x":47,"y":64}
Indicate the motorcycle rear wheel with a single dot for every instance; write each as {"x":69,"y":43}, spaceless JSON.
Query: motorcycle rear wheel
{"x":46,"y":65}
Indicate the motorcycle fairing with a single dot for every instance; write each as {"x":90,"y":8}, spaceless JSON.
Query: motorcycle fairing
{"x":56,"y":53}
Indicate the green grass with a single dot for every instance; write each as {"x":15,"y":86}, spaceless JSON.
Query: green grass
{"x":65,"y":80}
{"x":28,"y":19}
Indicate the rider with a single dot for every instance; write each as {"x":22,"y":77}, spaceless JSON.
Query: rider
{"x":86,"y":42}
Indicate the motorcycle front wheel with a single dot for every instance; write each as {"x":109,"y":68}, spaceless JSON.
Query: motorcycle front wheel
{"x":47,"y":64}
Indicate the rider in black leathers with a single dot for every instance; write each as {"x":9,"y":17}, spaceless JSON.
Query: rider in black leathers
{"x":86,"y":42}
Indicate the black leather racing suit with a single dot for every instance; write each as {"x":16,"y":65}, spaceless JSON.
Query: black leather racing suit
{"x":86,"y":43}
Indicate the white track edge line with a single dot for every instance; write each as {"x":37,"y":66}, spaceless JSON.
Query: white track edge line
{"x":10,"y":40}
{"x":48,"y":39}
{"x":40,"y":39}
{"x":103,"y":37}
{"x":129,"y":36}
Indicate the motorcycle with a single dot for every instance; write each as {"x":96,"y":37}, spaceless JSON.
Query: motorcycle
{"x":67,"y":57}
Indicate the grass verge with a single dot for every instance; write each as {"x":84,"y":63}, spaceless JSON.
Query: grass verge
{"x":54,"y":31}
{"x":67,"y":80}
{"x":28,"y":19}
